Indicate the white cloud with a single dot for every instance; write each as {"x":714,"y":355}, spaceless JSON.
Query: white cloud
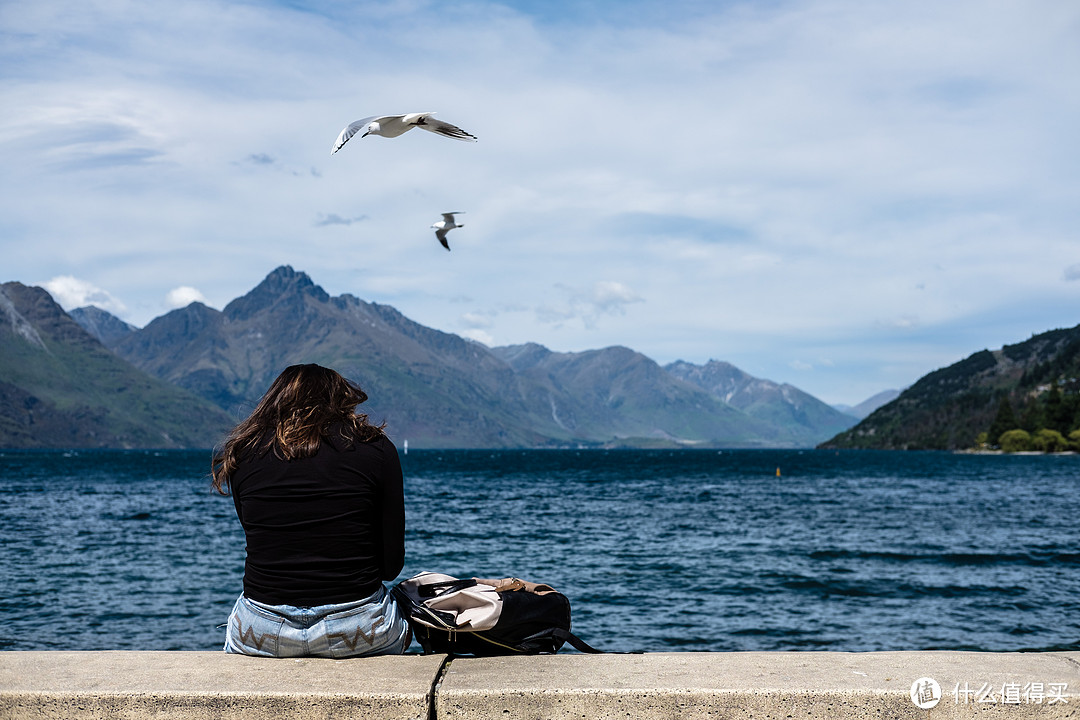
{"x":335,"y":219}
{"x":612,"y":297}
{"x":183,"y":296}
{"x":71,"y":292}
{"x":477,"y":319}
{"x":479,"y":336}
{"x":605,"y":297}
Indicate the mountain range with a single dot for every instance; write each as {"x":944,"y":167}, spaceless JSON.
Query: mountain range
{"x":437,"y":389}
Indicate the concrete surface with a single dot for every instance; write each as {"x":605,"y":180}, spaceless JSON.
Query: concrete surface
{"x":810,"y":685}
{"x":167,"y":685}
{"x":758,"y":685}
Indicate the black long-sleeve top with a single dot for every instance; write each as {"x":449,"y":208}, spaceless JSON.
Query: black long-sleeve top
{"x":324,"y":529}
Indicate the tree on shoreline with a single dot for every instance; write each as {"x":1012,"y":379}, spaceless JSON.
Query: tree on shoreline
{"x":1004,"y":421}
{"x":1043,"y":427}
{"x":1015,"y":440}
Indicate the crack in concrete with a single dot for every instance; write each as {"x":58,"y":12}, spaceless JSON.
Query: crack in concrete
{"x":433,"y":693}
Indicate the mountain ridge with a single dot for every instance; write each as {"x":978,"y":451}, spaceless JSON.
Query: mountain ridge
{"x":862,"y":410}
{"x":447,"y":391}
{"x":764,"y":399}
{"x":437,"y":388}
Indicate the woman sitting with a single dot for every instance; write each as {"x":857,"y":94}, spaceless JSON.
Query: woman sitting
{"x":318,"y":491}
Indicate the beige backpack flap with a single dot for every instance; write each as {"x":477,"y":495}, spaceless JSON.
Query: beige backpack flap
{"x":473,"y":608}
{"x":476,"y":608}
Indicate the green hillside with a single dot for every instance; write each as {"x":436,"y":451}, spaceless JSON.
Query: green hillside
{"x":59,"y":387}
{"x":1033,"y":385}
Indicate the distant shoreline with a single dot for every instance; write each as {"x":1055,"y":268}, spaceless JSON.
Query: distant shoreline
{"x":977,"y":451}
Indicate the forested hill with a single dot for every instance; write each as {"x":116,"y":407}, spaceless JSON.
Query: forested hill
{"x":1033,"y":386}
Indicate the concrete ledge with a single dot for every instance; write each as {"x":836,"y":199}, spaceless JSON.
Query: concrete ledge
{"x":167,"y":685}
{"x":758,"y":685}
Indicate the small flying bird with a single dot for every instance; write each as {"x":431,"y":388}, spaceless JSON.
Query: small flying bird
{"x":446,"y":225}
{"x":390,"y":126}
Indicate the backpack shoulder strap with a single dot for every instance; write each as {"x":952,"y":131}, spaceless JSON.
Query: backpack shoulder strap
{"x":436,"y":589}
{"x":575,"y":641}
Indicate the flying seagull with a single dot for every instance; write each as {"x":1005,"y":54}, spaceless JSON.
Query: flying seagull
{"x":391,"y":126}
{"x":446,"y":225}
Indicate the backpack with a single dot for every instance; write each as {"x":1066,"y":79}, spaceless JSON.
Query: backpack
{"x":479,"y":617}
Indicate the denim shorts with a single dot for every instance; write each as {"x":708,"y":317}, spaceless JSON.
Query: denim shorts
{"x":372,"y":626}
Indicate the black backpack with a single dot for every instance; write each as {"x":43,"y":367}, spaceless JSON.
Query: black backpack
{"x":486,"y":617}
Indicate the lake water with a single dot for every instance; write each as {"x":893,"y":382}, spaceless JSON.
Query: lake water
{"x":657,"y":550}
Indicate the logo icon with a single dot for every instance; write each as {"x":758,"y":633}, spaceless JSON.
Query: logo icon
{"x":925,"y":693}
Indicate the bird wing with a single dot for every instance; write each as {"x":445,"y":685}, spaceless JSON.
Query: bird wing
{"x":414,"y":118}
{"x":443,"y":128}
{"x":350,"y":130}
{"x":441,"y":234}
{"x":449,"y":217}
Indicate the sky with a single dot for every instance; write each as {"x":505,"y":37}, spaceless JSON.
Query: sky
{"x":843,"y":195}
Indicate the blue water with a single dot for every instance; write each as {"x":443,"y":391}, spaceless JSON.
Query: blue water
{"x":657,"y":550}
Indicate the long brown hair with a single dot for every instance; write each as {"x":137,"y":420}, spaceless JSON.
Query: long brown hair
{"x":293,"y":418}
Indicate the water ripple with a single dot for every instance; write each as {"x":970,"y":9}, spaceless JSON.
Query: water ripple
{"x":657,"y":550}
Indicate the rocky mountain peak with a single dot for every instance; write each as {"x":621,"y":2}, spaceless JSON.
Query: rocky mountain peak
{"x":37,"y":309}
{"x":717,"y":377}
{"x":523,"y":356}
{"x":103,"y":325}
{"x":283,"y":286}
{"x":9,"y":314}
